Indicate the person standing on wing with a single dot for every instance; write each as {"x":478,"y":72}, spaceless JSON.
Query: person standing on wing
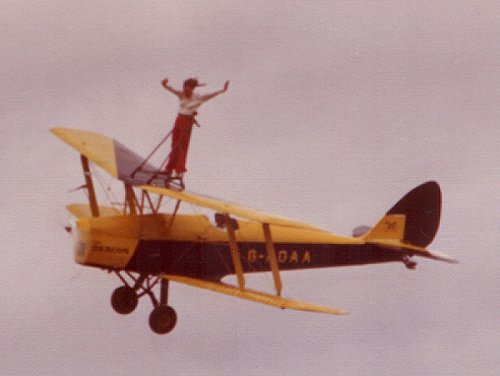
{"x":189,"y":101}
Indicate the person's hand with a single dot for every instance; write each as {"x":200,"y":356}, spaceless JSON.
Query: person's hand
{"x":164,"y":82}
{"x":226,"y":86}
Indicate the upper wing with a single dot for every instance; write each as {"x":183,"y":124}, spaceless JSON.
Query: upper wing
{"x":121,"y":162}
{"x":256,"y":296}
{"x":109,"y":154}
{"x":230,"y":208}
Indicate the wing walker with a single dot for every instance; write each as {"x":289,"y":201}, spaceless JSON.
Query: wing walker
{"x":147,"y":248}
{"x":161,"y":174}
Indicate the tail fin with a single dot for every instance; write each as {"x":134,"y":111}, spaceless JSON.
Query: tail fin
{"x":413,"y":220}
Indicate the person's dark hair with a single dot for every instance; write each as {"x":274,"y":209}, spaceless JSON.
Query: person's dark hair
{"x":191,"y":82}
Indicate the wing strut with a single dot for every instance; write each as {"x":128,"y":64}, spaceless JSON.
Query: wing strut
{"x":130,"y":199}
{"x":174,"y":214}
{"x":90,"y":186}
{"x":235,"y":255}
{"x":273,"y":261}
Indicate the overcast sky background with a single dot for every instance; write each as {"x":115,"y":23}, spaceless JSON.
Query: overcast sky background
{"x":335,"y":110}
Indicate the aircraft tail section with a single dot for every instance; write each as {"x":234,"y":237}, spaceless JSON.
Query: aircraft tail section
{"x":413,"y":220}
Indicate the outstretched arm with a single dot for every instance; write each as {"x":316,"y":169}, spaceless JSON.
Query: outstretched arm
{"x":164,"y":83}
{"x":210,"y":96}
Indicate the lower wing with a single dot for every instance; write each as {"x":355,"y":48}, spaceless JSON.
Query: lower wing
{"x":255,"y":296}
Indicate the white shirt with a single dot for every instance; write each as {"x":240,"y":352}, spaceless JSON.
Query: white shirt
{"x":188,"y":106}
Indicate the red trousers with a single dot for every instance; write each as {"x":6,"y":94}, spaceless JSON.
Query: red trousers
{"x":180,"y":144}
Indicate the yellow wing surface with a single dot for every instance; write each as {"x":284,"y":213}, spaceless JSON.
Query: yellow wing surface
{"x":112,"y":156}
{"x":99,"y":149}
{"x":230,"y":208}
{"x":84,"y":211}
{"x":255,"y":296}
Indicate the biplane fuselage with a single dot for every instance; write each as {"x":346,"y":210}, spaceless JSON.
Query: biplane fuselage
{"x":190,"y":245}
{"x":148,"y":246}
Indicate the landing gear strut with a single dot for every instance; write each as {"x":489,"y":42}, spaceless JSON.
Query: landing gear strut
{"x":125,"y":298}
{"x":163,"y":317}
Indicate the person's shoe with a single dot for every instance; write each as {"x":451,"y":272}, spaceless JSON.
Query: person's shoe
{"x":168,"y":179}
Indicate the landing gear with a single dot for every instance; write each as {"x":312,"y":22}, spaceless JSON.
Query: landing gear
{"x":409,"y":263}
{"x":163,"y":319}
{"x":125,"y":298}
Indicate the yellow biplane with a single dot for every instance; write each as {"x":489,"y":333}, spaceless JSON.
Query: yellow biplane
{"x":145,"y":247}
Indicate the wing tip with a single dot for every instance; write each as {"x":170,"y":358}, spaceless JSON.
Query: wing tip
{"x":343,"y":313}
{"x":56,"y":130}
{"x":319,"y":309}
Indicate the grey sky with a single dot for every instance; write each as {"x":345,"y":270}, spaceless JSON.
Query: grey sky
{"x":335,"y":110}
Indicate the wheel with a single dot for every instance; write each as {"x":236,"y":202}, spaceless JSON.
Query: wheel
{"x":124,"y":300}
{"x":162,"y":319}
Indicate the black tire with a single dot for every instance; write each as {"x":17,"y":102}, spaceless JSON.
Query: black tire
{"x":162,"y":319}
{"x":124,"y":300}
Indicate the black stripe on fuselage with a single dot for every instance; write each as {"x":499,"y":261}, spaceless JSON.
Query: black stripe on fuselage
{"x":213,"y":260}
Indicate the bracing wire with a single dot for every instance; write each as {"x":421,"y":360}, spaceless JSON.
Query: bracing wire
{"x":105,"y":187}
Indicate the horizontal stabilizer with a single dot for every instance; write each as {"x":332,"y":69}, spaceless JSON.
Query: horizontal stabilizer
{"x":414,"y":250}
{"x":439,"y":256}
{"x":256,"y":296}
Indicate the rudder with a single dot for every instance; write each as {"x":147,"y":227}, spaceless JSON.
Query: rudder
{"x":414,"y":219}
